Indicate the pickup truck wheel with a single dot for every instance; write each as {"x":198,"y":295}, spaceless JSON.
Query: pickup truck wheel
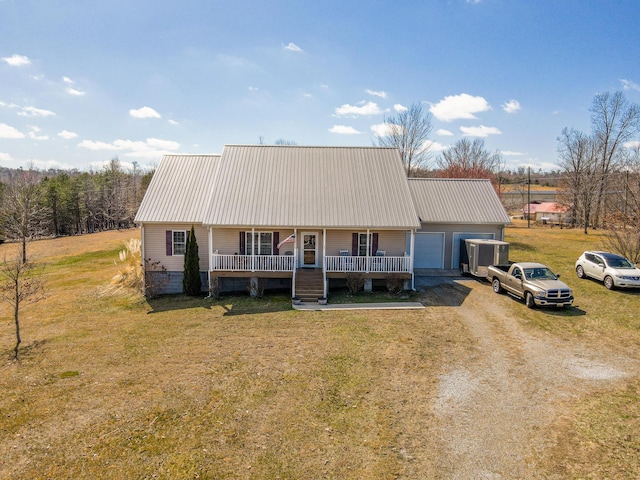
{"x":608,"y":282}
{"x":580,"y":271}
{"x":528,"y":300}
{"x":496,"y":285}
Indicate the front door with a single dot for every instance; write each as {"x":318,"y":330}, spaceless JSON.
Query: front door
{"x":309,"y":249}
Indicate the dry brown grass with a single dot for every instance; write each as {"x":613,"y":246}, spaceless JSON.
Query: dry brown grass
{"x":238,"y":388}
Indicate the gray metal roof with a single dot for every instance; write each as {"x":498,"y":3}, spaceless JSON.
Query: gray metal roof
{"x":333,"y":187}
{"x":180,"y":189}
{"x":457,"y":200}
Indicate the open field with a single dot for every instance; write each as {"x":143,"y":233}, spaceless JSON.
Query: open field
{"x":241,"y":388}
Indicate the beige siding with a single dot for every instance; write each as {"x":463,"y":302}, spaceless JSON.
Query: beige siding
{"x":392,"y":241}
{"x":227,"y":240}
{"x":155,"y":246}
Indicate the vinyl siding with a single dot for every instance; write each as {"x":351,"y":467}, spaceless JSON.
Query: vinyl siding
{"x":155,"y":245}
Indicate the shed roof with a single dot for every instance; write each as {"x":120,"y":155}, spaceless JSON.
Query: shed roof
{"x":457,"y":200}
{"x":180,"y":189}
{"x":332,"y":187}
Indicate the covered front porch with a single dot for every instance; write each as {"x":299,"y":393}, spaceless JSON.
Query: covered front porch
{"x":259,"y":253}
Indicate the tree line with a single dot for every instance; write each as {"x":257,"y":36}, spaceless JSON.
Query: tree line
{"x":35,"y":204}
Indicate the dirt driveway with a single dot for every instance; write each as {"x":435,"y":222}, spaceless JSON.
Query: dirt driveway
{"x":496,"y":403}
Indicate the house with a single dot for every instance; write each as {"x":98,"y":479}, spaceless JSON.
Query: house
{"x":547,"y":212}
{"x":307,"y":218}
{"x":450,"y":210}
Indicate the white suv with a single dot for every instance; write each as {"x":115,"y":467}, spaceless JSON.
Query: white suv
{"x":614,"y":271}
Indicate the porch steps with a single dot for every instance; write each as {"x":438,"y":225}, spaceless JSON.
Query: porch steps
{"x":309,"y":284}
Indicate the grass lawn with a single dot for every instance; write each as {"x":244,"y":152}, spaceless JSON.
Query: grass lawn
{"x":121,"y":387}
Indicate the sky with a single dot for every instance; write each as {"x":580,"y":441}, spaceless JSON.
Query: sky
{"x":83,"y":82}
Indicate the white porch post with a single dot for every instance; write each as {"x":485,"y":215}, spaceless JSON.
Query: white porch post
{"x":210,"y":257}
{"x":324,"y":262}
{"x":295,"y":262}
{"x":253,"y":249}
{"x":368,"y":253}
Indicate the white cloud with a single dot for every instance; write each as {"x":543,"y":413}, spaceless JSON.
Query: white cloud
{"x":629,"y":85}
{"x":35,"y":112}
{"x":144,"y":112}
{"x":172,"y":122}
{"x":480,"y":131}
{"x":511,"y":106}
{"x":369,"y":108}
{"x":344,"y":130}
{"x":461,"y":106}
{"x":68,"y":80}
{"x":375,"y":93}
{"x":17,"y":60}
{"x":444,"y":133}
{"x":474,"y":2}
{"x":91,"y":145}
{"x":75,"y":92}
{"x":47,"y":164}
{"x":435,"y":146}
{"x":7,"y":131}
{"x":509,"y":153}
{"x":292,"y":47}
{"x":150,"y":148}
{"x":380,"y":130}
{"x":34,"y":136}
{"x":632,"y":144}
{"x":400,"y":108}
{"x":67,"y":135}
{"x":5,"y":157}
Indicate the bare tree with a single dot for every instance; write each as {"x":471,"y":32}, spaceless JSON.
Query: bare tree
{"x":615,"y":121}
{"x":409,"y":132}
{"x":20,"y":284}
{"x":579,"y":155}
{"x":22,"y":212}
{"x":469,"y":159}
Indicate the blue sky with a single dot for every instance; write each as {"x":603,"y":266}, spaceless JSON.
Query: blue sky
{"x":82,"y":82}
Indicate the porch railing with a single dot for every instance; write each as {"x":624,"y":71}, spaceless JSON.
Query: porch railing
{"x":253,"y":263}
{"x":368,"y":264}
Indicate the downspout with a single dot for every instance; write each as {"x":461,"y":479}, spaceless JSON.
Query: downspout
{"x":144,"y":270}
{"x":413,"y":236}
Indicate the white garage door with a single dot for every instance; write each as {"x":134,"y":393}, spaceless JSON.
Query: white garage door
{"x":455,"y":252}
{"x":429,"y":250}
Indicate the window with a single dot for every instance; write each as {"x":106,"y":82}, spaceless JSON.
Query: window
{"x":262,"y":243}
{"x":179,"y":242}
{"x":362,"y":244}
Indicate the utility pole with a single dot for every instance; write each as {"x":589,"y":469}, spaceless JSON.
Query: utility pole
{"x":529,"y":198}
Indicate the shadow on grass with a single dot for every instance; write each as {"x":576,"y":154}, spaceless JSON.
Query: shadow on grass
{"x":232,"y":304}
{"x":442,"y":292}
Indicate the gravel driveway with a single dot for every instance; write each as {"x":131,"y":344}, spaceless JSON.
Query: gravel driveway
{"x":495,"y":404}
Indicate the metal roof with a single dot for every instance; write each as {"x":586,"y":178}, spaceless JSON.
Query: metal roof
{"x":332,"y":187}
{"x":180,"y":189}
{"x":457,"y":200}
